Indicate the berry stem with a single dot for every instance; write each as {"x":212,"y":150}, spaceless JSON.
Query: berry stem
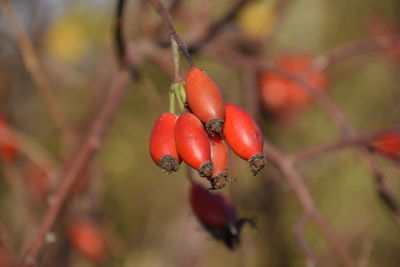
{"x":172,"y":101}
{"x":163,"y":11}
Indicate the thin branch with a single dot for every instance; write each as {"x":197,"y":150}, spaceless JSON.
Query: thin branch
{"x":359,"y":47}
{"x":299,"y":235}
{"x":119,"y":41}
{"x":297,"y":184}
{"x":216,"y":28}
{"x":33,"y":65}
{"x":366,"y":251}
{"x":163,"y":11}
{"x":85,"y":154}
{"x":361,"y":139}
{"x":27,"y":146}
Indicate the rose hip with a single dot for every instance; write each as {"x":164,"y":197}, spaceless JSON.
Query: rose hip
{"x":192,"y":144}
{"x":219,"y":157}
{"x":162,"y":143}
{"x":217,"y":214}
{"x":387,"y":144}
{"x":244,"y":136}
{"x":205,"y":100}
{"x":8,"y":142}
{"x":87,"y":238}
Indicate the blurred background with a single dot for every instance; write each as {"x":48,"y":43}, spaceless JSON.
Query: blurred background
{"x":144,"y":215}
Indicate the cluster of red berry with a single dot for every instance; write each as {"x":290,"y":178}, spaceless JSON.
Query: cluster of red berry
{"x":201,"y":146}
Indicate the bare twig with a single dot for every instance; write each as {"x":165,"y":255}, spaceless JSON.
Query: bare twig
{"x":366,"y":251}
{"x":297,"y":184}
{"x":361,"y":139}
{"x":216,"y":28}
{"x":36,"y":71}
{"x":341,"y":53}
{"x":120,"y":42}
{"x":299,"y":235}
{"x":29,"y":147}
{"x":162,"y":10}
{"x":85,"y":154}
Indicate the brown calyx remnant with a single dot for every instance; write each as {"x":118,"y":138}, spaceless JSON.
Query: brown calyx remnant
{"x":168,"y":164}
{"x":257,"y":163}
{"x":219,"y":181}
{"x":215,"y":127}
{"x":205,"y":169}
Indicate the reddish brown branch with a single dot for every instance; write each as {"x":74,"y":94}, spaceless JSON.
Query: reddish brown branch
{"x":85,"y":154}
{"x":341,"y":53}
{"x":299,"y":235}
{"x":163,"y":11}
{"x":216,"y":28}
{"x":361,"y":139}
{"x":297,"y":184}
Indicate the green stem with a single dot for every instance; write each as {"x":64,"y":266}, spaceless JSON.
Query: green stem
{"x":172,"y":102}
{"x":176,"y":89}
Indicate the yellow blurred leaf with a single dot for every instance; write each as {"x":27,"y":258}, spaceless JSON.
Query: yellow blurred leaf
{"x":257,"y":19}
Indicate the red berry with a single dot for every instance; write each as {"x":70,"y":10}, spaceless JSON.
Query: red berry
{"x":162,"y":143}
{"x":205,"y":100}
{"x":87,"y":238}
{"x":192,"y":143}
{"x":219,"y":157}
{"x":217,"y":214}
{"x":387,"y":144}
{"x":8,"y":142}
{"x":244,"y":136}
{"x":283,"y":96}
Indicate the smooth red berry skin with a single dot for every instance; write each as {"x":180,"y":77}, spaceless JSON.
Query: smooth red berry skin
{"x":162,"y":140}
{"x":387,"y":144}
{"x":219,"y":157}
{"x":205,"y":99}
{"x":192,"y":143}
{"x":211,"y":209}
{"x":242,"y":132}
{"x":87,"y":238}
{"x":244,"y":136}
